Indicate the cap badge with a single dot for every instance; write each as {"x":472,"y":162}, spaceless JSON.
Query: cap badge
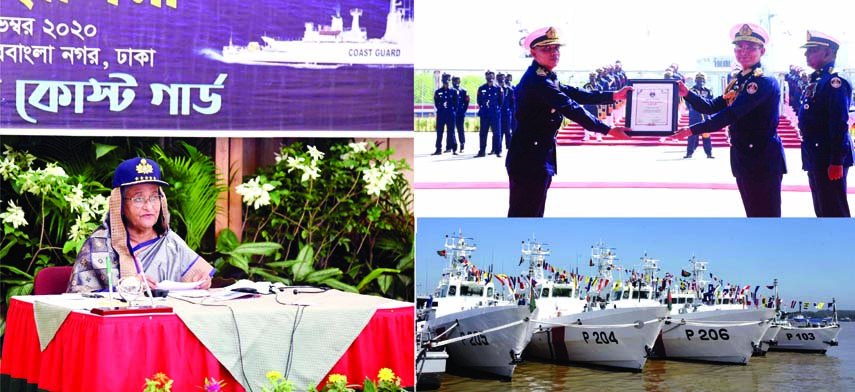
{"x":745,"y":30}
{"x":551,"y":33}
{"x":144,"y":167}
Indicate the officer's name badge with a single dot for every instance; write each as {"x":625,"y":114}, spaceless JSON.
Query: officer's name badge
{"x":836,"y":82}
{"x":751,"y":88}
{"x":758,"y":72}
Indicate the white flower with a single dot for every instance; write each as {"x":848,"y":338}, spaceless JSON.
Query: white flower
{"x":310,"y":172}
{"x":31,"y":182}
{"x":295,"y":163}
{"x":278,"y":157}
{"x":255,"y":193}
{"x":314,"y":153}
{"x":8,"y":168}
{"x":23,"y":157}
{"x":358,"y":147}
{"x":14,"y":215}
{"x":377,"y":179}
{"x":75,"y":199}
{"x":53,"y":169}
{"x":80,"y":230}
{"x":98,"y":206}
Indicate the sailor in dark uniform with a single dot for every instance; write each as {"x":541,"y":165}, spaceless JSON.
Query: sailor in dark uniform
{"x":497,"y":136}
{"x":750,"y":106}
{"x":542,"y":103}
{"x":509,"y":79}
{"x":445,"y":101}
{"x":823,"y":121}
{"x":696,"y":117}
{"x":460,"y":111}
{"x":489,"y":109}
{"x":507,"y":113}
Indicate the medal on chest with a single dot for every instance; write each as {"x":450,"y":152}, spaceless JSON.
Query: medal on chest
{"x":731,"y":91}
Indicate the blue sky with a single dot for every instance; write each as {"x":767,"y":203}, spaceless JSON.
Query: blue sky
{"x":645,"y":35}
{"x":813,"y":259}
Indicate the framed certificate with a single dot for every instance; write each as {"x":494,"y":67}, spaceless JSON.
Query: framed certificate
{"x":652,"y":106}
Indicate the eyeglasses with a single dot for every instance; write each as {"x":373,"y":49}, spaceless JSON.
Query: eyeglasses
{"x":548,"y":48}
{"x":746,"y":48}
{"x":139,"y":201}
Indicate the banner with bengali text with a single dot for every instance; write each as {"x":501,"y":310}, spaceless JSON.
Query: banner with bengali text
{"x":261,"y":65}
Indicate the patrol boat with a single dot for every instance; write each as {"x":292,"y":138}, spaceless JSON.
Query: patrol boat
{"x":808,"y":335}
{"x":334,"y":44}
{"x":479,"y":328}
{"x":712,"y":329}
{"x":571,"y":329}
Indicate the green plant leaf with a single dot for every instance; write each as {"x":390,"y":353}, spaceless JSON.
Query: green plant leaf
{"x":17,"y":271}
{"x":227,"y":241}
{"x":373,"y":275}
{"x":25,"y":289}
{"x":256,"y":248}
{"x":239,"y":261}
{"x":268,"y":276}
{"x":103,"y":149}
{"x":369,"y":386}
{"x":385,"y":282}
{"x":301,"y":269}
{"x":8,"y":246}
{"x":318,"y":276}
{"x":281,"y":264}
{"x":338,"y":285}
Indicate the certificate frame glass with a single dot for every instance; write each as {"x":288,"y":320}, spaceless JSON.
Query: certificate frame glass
{"x":652,"y":108}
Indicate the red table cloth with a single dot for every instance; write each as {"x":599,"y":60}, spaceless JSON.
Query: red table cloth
{"x":94,"y":353}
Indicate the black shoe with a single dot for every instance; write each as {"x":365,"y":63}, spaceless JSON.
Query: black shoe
{"x":437,"y":152}
{"x":480,"y":155}
{"x":498,"y":155}
{"x":710,"y":156}
{"x":453,"y":152}
{"x":687,"y":157}
{"x":461,"y":147}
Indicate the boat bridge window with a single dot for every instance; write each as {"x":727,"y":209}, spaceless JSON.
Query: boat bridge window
{"x":690,"y":300}
{"x":563,"y":292}
{"x":489,"y":291}
{"x":625,"y":295}
{"x":452,"y":291}
{"x":544,"y":293}
{"x":471,"y":291}
{"x":725,"y":301}
{"x":643,"y":294}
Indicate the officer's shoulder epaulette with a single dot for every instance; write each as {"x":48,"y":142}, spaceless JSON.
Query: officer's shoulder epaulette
{"x":542,"y":71}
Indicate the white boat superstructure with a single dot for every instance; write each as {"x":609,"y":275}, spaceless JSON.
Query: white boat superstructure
{"x":808,"y":335}
{"x":479,"y":329}
{"x":335,"y":44}
{"x":720,"y":330}
{"x":580,"y":330}
{"x":808,"y":339}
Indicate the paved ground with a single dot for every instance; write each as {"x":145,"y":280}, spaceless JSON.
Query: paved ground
{"x":595,"y":181}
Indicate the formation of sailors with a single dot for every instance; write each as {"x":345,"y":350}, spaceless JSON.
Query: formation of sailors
{"x":496,"y":104}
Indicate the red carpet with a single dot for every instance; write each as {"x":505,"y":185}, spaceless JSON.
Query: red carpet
{"x":572,"y":135}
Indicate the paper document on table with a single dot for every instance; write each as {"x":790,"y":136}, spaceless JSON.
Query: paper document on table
{"x":261,"y":287}
{"x":190,"y":293}
{"x":227,"y":295}
{"x":172,"y":285}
